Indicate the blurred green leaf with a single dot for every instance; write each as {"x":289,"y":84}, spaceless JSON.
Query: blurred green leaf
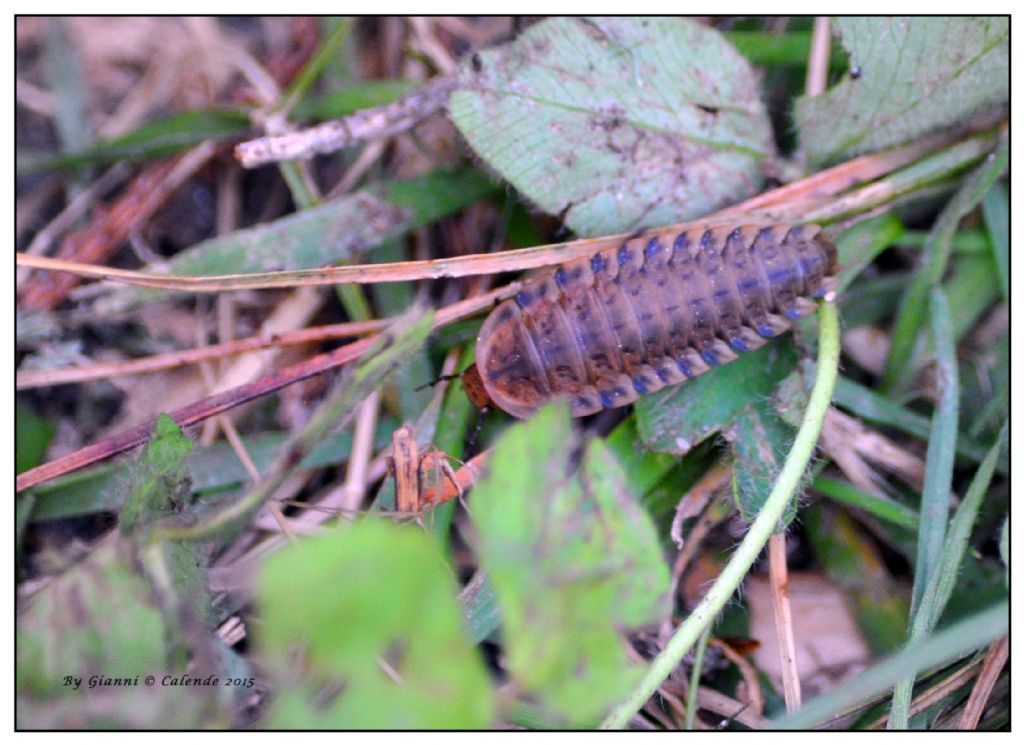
{"x":480,"y":607}
{"x":312,"y":70}
{"x":971,"y":291}
{"x":214,"y":470}
{"x":617,"y":123}
{"x":151,"y":140}
{"x":381,"y":637}
{"x":32,"y":435}
{"x":985,"y":390}
{"x":160,"y":479}
{"x":65,"y":79}
{"x":917,"y":75}
{"x":852,"y":560}
{"x":874,"y":407}
{"x":770,"y":49}
{"x":574,"y":561}
{"x":1004,"y":546}
{"x":97,"y":619}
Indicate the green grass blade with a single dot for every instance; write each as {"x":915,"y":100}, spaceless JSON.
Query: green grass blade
{"x":995,"y":208}
{"x":879,"y":506}
{"x":948,"y":645}
{"x":938,"y":475}
{"x":941,"y":584}
{"x":152,"y":140}
{"x":914,"y":303}
{"x":315,"y":67}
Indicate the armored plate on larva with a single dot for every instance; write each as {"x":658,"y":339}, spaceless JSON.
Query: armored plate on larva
{"x":654,"y":311}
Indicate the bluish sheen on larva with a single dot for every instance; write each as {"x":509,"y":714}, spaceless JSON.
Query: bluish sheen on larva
{"x":650,"y":312}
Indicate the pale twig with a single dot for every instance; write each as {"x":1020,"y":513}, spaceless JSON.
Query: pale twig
{"x":372,"y":123}
{"x":431,"y":45}
{"x":354,"y":488}
{"x":817,"y":64}
{"x":35,"y":99}
{"x":779,"y":583}
{"x":362,"y":164}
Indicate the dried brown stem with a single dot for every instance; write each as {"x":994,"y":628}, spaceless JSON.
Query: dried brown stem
{"x":995,"y":659}
{"x":786,"y":204}
{"x":203,"y":409}
{"x":146,"y":194}
{"x":78,"y":374}
{"x":778,"y":573}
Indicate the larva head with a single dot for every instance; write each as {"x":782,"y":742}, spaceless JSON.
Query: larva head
{"x":508,"y":363}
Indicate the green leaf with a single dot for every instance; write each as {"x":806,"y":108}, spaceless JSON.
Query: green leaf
{"x":161,"y":483}
{"x":32,"y":435}
{"x":319,"y":236}
{"x":574,"y":561}
{"x":151,"y":140}
{"x":761,"y":440}
{"x":617,"y":123}
{"x":66,"y":82}
{"x":971,"y":291}
{"x":943,"y":577}
{"x":778,"y":50}
{"x":673,"y":420}
{"x":940,"y":586}
{"x":379,"y":632}
{"x":1004,"y":546}
{"x":917,"y":75}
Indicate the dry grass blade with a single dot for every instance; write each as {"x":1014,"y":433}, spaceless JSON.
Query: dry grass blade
{"x":995,"y":659}
{"x":787,"y":203}
{"x":779,"y":575}
{"x":212,"y":405}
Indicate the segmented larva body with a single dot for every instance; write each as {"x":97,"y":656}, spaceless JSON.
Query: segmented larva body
{"x":660,"y":308}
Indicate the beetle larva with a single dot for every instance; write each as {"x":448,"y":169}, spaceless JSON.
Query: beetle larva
{"x":658,"y":309}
